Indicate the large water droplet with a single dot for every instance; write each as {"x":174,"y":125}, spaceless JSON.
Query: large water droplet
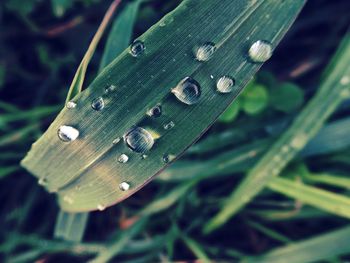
{"x":260,"y":51}
{"x":205,"y":51}
{"x":71,"y":105}
{"x":98,"y":104}
{"x":124,"y":186}
{"x":155,"y":112}
{"x":139,"y":140}
{"x":123,"y":158}
{"x":225,"y":84}
{"x":187,"y":91}
{"x":67,"y":133}
{"x":137,"y":48}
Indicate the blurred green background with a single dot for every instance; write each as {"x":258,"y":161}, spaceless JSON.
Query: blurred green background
{"x":41,"y":46}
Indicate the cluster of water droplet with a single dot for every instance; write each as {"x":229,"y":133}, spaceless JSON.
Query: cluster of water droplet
{"x":187,"y":91}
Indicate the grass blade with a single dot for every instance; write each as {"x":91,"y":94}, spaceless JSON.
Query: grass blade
{"x":78,"y":80}
{"x":334,"y":90}
{"x":86,"y":173}
{"x":319,"y":248}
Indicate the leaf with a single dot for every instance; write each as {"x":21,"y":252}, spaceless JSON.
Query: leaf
{"x":324,"y":200}
{"x":315,"y":249}
{"x":254,"y":99}
{"x":78,"y":80}
{"x":333,"y":91}
{"x":287,"y":97}
{"x":121,"y":33}
{"x":85,"y":173}
{"x":230,"y":113}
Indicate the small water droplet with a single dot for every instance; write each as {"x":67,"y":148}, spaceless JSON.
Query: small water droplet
{"x":42,"y":181}
{"x":98,"y":104}
{"x":137,"y":48}
{"x":71,"y":105}
{"x":168,"y":158}
{"x":144,"y":156}
{"x":155,"y":112}
{"x":68,"y":199}
{"x":299,"y":141}
{"x":260,"y":51}
{"x":187,"y":91}
{"x":345,"y":80}
{"x":116,"y":140}
{"x":169,"y":125}
{"x":124,"y":186}
{"x":110,"y":89}
{"x":139,"y":140}
{"x":123,"y":158}
{"x":101,"y":207}
{"x":67,"y":133}
{"x":225,"y":84}
{"x":205,"y":51}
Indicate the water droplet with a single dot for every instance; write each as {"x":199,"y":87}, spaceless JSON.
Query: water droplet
{"x":101,"y":207}
{"x":71,"y":105}
{"x":123,"y":158}
{"x":187,"y":91}
{"x":98,"y":104}
{"x":67,"y":133}
{"x":168,"y":158}
{"x":68,"y":199}
{"x":155,"y":112}
{"x":205,"y":51}
{"x":110,"y":89}
{"x":225,"y":84}
{"x":345,"y":80}
{"x":169,"y":125}
{"x":137,"y":48}
{"x":124,"y":186}
{"x":299,"y":141}
{"x":144,"y":156}
{"x":260,"y":51}
{"x":42,"y":181}
{"x":116,"y":140}
{"x":139,"y":140}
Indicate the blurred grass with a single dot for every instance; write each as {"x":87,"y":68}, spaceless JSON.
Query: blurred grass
{"x":164,"y":220}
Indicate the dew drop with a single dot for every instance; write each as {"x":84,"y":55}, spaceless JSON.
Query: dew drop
{"x":299,"y":141}
{"x":225,"y":84}
{"x":123,"y":158}
{"x":101,"y":207}
{"x":205,"y":51}
{"x":139,"y":140}
{"x":168,"y":158}
{"x":260,"y":51}
{"x":68,"y":199}
{"x":110,"y":89}
{"x":116,"y":140}
{"x":187,"y":91}
{"x":71,"y":105}
{"x":124,"y":186}
{"x":155,"y":112}
{"x":98,"y":104}
{"x":67,"y":133}
{"x":42,"y":181}
{"x":137,"y":48}
{"x":169,"y":125}
{"x":144,"y":156}
{"x":345,"y":80}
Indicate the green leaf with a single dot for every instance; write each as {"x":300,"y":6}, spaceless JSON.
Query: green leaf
{"x":288,"y":97}
{"x":254,"y":99}
{"x":230,"y":113}
{"x":85,"y":173}
{"x":121,"y":33}
{"x":315,"y":249}
{"x":322,"y":199}
{"x":333,"y":91}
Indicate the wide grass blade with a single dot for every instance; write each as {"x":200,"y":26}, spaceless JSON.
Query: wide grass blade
{"x":333,"y":91}
{"x":86,"y":172}
{"x":315,"y":249}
